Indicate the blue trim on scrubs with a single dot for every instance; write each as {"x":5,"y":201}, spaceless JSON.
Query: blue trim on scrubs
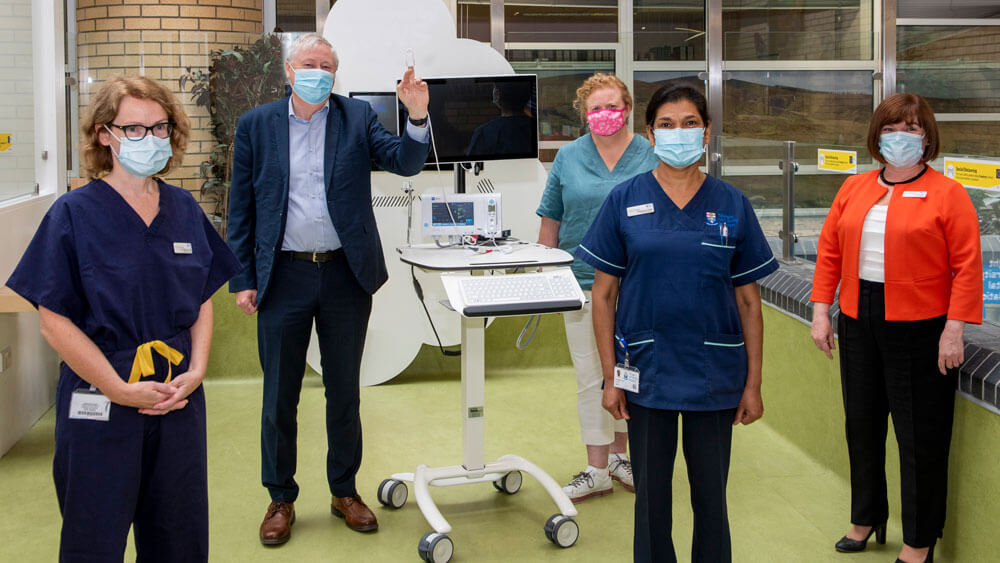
{"x":678,"y":270}
{"x":596,"y":257}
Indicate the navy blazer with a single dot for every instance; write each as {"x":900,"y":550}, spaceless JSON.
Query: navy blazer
{"x":258,"y":197}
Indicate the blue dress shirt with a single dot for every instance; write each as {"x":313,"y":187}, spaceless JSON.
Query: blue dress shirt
{"x":309,"y":227}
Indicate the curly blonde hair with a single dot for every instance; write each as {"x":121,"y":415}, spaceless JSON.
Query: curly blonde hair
{"x":95,"y":158}
{"x":598,"y":81}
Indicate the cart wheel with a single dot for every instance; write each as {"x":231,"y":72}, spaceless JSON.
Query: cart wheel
{"x":509,"y":483}
{"x":435,"y":548}
{"x":392,"y":493}
{"x":562,"y":530}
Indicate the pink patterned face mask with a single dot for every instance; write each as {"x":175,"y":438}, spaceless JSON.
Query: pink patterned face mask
{"x":606,"y":122}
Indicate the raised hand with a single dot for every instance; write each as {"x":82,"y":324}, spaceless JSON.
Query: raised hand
{"x":412,"y":92}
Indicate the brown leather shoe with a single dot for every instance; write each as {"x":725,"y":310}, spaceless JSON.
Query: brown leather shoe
{"x":355,"y":512}
{"x":277,"y":525}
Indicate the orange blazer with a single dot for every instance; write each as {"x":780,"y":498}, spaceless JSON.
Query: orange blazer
{"x":933,"y":263}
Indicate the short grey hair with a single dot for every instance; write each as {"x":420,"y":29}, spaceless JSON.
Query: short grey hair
{"x":308,"y":41}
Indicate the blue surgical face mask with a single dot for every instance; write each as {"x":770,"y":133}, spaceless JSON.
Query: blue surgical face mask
{"x":901,"y":149}
{"x":313,"y":85}
{"x":679,"y":148}
{"x":145,"y":157}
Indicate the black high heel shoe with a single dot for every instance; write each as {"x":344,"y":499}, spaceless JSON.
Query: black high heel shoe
{"x":847,"y":545}
{"x":928,"y":559}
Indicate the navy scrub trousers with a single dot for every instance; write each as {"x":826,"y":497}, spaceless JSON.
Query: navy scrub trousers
{"x":707,"y":441}
{"x":148,"y":472}
{"x":300,"y":292}
{"x":890,"y":368}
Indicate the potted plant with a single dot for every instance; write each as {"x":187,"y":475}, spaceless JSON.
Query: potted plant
{"x":238,"y":80}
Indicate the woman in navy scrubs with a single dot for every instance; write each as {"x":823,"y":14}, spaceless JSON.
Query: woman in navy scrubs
{"x":122,"y":272}
{"x":677,"y":255}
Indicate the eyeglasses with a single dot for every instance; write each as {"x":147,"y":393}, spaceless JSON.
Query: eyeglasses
{"x":139,"y":132}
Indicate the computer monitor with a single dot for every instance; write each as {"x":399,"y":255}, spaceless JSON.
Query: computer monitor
{"x":482,"y":118}
{"x":384,"y":104}
{"x":461,"y":214}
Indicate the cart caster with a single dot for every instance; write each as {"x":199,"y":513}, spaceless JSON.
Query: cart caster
{"x":509,"y":483}
{"x":562,"y":530}
{"x":392,"y":493}
{"x":435,"y":548}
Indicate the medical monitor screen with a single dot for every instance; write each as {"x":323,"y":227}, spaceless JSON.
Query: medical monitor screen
{"x":384,"y":104}
{"x":483,"y":118}
{"x":462,"y":213}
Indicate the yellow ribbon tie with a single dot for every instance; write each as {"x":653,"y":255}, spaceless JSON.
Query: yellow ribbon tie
{"x":143,"y":366}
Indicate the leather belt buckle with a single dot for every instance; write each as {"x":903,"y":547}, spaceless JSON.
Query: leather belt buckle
{"x":314,"y":259}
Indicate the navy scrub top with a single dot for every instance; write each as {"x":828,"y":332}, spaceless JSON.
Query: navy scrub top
{"x":94,"y":261}
{"x":676,"y":303}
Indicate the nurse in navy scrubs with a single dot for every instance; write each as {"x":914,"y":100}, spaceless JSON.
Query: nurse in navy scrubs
{"x":122,"y":272}
{"x":678,"y":323}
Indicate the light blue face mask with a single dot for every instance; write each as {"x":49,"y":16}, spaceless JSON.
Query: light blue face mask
{"x":901,"y":149}
{"x":679,"y":148}
{"x":313,"y":85}
{"x":145,"y":157}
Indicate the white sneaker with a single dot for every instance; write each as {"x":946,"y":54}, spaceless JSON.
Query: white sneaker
{"x":620,"y":469}
{"x":591,"y":482}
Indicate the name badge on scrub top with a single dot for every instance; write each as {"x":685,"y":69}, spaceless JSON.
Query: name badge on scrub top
{"x":626,"y":376}
{"x":639,"y":209}
{"x":182,"y":248}
{"x":915,"y":194}
{"x":89,"y":404}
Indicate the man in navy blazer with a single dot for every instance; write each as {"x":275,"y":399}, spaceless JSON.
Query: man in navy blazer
{"x":301,"y":222}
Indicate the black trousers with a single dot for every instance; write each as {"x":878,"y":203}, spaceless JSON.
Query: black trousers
{"x":890,"y":368}
{"x":707,"y":442}
{"x":300,"y":293}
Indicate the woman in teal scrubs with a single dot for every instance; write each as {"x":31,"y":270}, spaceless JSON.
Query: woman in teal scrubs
{"x":583,"y":173}
{"x":677,"y":255}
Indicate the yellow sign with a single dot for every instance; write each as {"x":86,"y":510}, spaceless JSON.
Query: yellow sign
{"x":4,"y":141}
{"x":973,"y":172}
{"x":845,"y":162}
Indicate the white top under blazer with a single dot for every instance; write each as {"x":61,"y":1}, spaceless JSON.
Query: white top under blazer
{"x":871,"y":258}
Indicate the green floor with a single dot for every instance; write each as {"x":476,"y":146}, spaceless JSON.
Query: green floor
{"x":783,"y":505}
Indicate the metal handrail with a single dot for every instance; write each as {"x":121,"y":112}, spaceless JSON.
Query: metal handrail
{"x":788,"y":167}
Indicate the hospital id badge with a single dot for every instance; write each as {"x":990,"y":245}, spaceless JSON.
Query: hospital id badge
{"x":89,"y":404}
{"x":627,"y":378}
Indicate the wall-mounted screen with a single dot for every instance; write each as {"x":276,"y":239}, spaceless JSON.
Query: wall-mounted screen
{"x":384,"y":104}
{"x":483,"y":118}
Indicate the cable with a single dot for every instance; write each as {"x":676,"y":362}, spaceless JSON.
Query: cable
{"x":420,"y":295}
{"x":521,"y":344}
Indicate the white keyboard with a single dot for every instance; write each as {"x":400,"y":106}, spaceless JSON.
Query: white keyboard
{"x":541,"y":292}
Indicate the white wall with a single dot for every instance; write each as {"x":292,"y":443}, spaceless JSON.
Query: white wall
{"x":28,"y":385}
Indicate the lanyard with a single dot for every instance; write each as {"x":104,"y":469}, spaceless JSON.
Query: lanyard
{"x":624,"y":345}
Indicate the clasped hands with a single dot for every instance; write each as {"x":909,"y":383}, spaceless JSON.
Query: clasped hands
{"x":156,"y":398}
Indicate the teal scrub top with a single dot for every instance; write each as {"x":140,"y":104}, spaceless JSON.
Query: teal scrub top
{"x":577,"y":185}
{"x":678,"y":270}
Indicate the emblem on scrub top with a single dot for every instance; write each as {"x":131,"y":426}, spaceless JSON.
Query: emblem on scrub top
{"x":709,"y":218}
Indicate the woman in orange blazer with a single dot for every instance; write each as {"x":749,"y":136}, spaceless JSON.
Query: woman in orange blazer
{"x":903,"y":243}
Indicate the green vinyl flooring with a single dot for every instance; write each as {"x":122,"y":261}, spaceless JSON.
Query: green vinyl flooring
{"x":783,"y":505}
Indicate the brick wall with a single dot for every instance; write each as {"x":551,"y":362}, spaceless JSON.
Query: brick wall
{"x":158,"y":39}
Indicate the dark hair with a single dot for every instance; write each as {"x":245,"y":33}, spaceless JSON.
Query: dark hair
{"x":669,"y":94}
{"x":908,"y":108}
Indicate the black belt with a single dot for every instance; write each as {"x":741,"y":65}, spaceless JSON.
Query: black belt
{"x":325,"y":256}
